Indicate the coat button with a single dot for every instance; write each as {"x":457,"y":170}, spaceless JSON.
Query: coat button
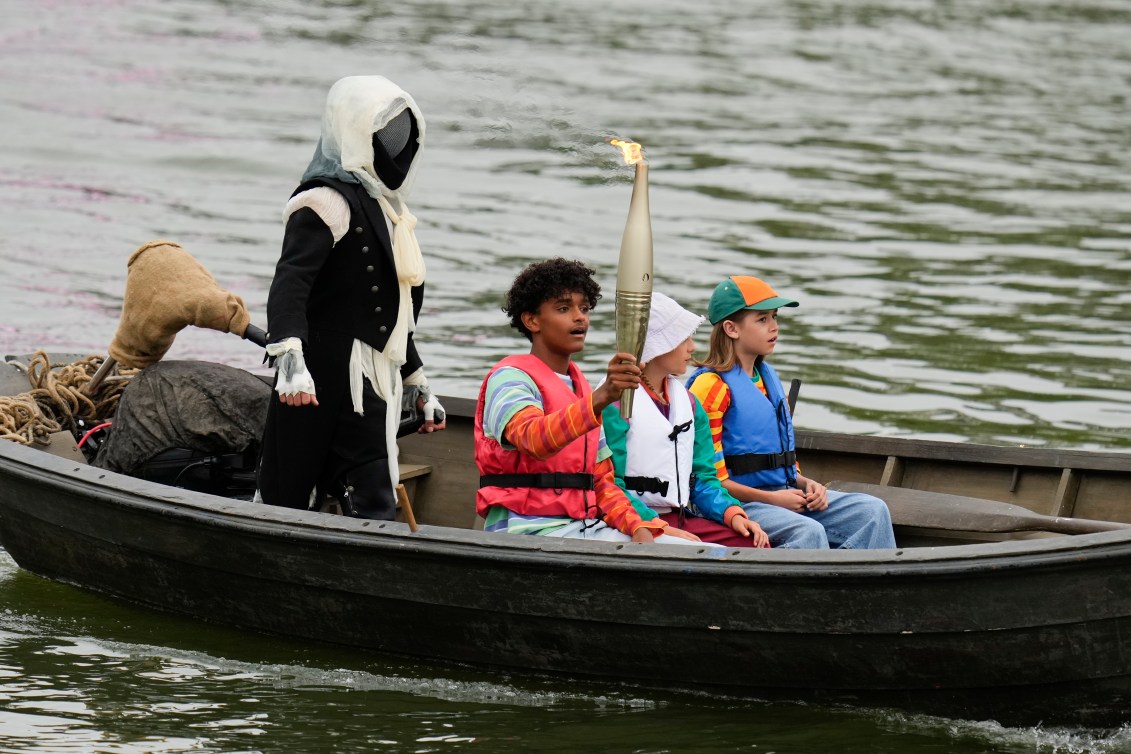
{"x":364,"y":249}
{"x":357,"y":229}
{"x":369,"y":268}
{"x":373,"y":289}
{"x":382,"y":328}
{"x":377,"y":310}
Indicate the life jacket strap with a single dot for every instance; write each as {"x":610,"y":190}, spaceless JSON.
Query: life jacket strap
{"x":642,"y":484}
{"x":749,"y":463}
{"x":555,"y":480}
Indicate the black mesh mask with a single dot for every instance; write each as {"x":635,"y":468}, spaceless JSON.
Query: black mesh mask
{"x":394,"y":148}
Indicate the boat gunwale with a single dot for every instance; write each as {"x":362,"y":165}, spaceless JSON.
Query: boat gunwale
{"x":431,"y":541}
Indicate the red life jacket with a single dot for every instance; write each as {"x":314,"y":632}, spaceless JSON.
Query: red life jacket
{"x":539,"y":495}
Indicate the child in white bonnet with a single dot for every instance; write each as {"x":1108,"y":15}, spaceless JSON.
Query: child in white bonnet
{"x":664,"y":457}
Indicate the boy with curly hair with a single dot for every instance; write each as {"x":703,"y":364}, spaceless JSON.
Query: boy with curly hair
{"x":544,"y":465}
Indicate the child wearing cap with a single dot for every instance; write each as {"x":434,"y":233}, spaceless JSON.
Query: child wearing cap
{"x":664,"y":456}
{"x":753,"y":431}
{"x":543,"y":461}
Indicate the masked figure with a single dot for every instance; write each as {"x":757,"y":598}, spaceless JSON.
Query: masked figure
{"x":342,"y":309}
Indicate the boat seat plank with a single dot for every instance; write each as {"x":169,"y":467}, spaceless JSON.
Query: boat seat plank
{"x":414,"y":470}
{"x":936,"y":510}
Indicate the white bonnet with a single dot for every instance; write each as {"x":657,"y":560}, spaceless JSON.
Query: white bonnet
{"x":669,"y":324}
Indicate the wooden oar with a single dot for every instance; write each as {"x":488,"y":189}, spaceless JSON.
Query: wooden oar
{"x":936,"y":510}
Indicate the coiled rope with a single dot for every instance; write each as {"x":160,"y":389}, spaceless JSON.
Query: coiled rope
{"x":56,"y":401}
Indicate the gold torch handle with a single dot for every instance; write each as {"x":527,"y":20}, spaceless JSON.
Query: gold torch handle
{"x":632,"y":326}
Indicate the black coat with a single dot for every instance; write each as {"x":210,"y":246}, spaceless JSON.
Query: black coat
{"x":350,"y":288}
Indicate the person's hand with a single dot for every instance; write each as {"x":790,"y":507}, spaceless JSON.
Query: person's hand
{"x":298,"y":399}
{"x":294,"y":382}
{"x":791,"y":499}
{"x":676,"y":532}
{"x":747,"y":528}
{"x":816,"y":495}
{"x":435,"y":417}
{"x":623,"y":374}
{"x":431,"y":425}
{"x":643,"y":534}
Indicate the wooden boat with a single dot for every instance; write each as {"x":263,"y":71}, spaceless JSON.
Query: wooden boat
{"x":979,"y":614}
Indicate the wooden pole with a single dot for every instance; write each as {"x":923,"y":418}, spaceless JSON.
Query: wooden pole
{"x":406,"y":506}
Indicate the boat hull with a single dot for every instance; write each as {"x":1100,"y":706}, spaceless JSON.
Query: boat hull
{"x":1022,"y":632}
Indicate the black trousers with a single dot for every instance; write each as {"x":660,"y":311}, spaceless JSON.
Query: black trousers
{"x":309,"y":447}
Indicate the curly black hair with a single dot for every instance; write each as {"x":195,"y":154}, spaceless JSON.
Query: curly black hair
{"x":542,"y":281}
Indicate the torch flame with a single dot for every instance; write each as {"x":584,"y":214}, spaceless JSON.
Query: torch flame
{"x":633,"y":152}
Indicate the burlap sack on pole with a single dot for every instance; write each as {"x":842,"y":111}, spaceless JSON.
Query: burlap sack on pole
{"x":166,"y":291}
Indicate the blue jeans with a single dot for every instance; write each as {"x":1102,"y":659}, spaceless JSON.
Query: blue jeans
{"x":853,"y":521}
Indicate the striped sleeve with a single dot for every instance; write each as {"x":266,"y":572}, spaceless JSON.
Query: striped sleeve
{"x":707,"y":493}
{"x":539,"y":435}
{"x":509,"y":390}
{"x":616,"y":509}
{"x":714,"y":397}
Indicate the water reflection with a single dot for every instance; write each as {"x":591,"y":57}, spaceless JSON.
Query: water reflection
{"x":84,"y":695}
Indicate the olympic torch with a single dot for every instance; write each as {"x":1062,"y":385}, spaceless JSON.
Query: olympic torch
{"x":634,"y":270}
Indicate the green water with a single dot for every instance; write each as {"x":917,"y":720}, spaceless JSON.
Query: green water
{"x":943,"y":185}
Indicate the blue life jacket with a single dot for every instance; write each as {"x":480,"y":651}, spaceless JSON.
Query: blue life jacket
{"x":757,"y":433}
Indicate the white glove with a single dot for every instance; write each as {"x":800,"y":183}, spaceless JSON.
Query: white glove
{"x":294,"y":378}
{"x":433,"y":411}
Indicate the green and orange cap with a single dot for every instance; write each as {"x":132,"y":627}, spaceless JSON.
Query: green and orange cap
{"x":740,"y":292}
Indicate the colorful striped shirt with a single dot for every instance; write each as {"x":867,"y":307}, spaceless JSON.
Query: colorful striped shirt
{"x":513,"y":415}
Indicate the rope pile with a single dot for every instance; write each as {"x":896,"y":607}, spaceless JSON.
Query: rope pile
{"x":56,"y":401}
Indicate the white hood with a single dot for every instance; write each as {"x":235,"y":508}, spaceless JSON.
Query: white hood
{"x":356,"y":108}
